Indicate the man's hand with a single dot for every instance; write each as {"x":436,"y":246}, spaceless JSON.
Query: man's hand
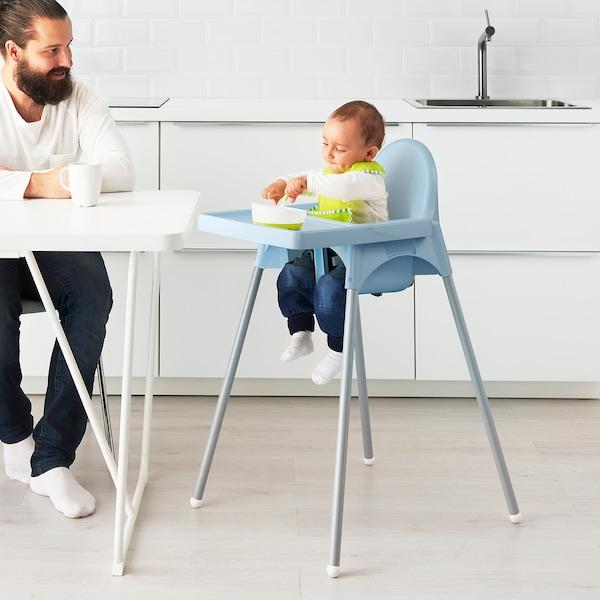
{"x":46,"y":185}
{"x":4,"y":168}
{"x":295,"y":187}
{"x":274,"y":191}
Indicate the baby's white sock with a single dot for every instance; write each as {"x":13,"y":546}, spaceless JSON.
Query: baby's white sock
{"x":17,"y":459}
{"x":329,"y":367}
{"x":300,"y":345}
{"x":63,"y":489}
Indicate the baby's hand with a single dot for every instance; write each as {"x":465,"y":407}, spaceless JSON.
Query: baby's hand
{"x":274,"y":191}
{"x":295,"y":187}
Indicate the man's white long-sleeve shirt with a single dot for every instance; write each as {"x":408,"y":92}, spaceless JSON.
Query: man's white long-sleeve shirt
{"x":79,"y":129}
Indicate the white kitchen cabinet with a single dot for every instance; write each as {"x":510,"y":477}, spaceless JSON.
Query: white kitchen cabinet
{"x":201,"y":301}
{"x":143,"y":141}
{"x":532,"y":317}
{"x":230,"y":163}
{"x":37,"y":338}
{"x":516,"y":187}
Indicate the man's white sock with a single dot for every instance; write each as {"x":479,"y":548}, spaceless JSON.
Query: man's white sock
{"x":63,"y":489}
{"x":17,"y":459}
{"x":301,"y":344}
{"x":329,"y":367}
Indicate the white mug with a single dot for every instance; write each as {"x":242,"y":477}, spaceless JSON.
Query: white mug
{"x":85,"y":181}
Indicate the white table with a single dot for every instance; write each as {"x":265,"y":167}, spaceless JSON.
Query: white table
{"x":129,"y":222}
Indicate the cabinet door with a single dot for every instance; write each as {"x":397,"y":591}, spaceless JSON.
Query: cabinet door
{"x":201,"y":302}
{"x":230,"y":163}
{"x":37,"y":338}
{"x":142,"y":139}
{"x":516,"y":186}
{"x":531,"y":318}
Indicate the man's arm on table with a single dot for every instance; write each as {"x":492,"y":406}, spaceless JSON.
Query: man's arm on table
{"x":17,"y":185}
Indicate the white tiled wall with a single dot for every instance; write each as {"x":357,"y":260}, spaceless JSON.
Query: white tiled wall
{"x":335,"y":48}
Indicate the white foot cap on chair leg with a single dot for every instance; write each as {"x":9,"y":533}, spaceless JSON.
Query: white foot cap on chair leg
{"x":333,"y":571}
{"x":515,"y":518}
{"x":195,"y":503}
{"x":118,"y":569}
{"x":369,"y":461}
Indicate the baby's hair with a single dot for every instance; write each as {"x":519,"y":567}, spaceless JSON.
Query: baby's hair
{"x":369,"y":118}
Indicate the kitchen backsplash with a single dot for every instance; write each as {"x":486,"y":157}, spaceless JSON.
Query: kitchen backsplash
{"x":335,"y":48}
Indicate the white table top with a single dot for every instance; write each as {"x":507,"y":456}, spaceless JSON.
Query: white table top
{"x":140,"y":221}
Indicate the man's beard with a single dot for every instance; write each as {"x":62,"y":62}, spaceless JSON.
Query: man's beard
{"x":42,"y":88}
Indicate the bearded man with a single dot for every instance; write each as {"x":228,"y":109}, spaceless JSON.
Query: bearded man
{"x":48,"y":120}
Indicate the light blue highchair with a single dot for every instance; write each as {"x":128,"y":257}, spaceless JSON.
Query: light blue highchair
{"x":379,"y":258}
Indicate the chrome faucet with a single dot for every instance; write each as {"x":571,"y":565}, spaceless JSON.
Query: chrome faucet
{"x":484,"y":38}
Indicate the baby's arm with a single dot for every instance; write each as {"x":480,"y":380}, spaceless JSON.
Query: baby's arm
{"x":347,"y":186}
{"x":288,"y":185}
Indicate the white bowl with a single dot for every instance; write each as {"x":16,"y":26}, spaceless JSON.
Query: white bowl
{"x":283,"y":217}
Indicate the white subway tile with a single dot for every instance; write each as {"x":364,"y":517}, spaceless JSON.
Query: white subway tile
{"x":103,"y":8}
{"x":573,"y":88}
{"x":379,"y":60}
{"x":205,"y":8}
{"x":586,"y":60}
{"x":376,"y":8}
{"x":316,"y":60}
{"x":455,"y":32}
{"x":98,"y":60}
{"x":496,"y":8}
{"x":431,"y":8}
{"x":332,"y":32}
{"x":402,"y":87}
{"x":122,"y":32}
{"x":151,"y":8}
{"x":264,"y":60}
{"x":233,"y":85}
{"x":262,"y":8}
{"x":350,"y":88}
{"x":499,"y":60}
{"x":178,"y":32}
{"x":431,"y":61}
{"x":551,"y":61}
{"x":517,"y":32}
{"x":206,"y":60}
{"x":317,"y":8}
{"x":178,"y":86}
{"x":543,"y":8}
{"x":116,"y":86}
{"x":289,"y":32}
{"x":83,"y":31}
{"x":233,"y":31}
{"x":404,"y":32}
{"x":151,"y":60}
{"x":454,"y":87}
{"x":514,"y":86}
{"x":290,"y":87}
{"x":586,"y":8}
{"x":571,"y":32}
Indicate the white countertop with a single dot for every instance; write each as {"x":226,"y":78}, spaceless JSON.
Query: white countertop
{"x":315,"y":111}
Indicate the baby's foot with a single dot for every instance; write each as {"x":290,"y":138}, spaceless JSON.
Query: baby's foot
{"x":329,"y":367}
{"x":300,"y":345}
{"x":66,"y":493}
{"x":17,"y":459}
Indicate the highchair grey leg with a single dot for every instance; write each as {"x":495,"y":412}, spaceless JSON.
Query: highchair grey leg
{"x":363,"y":396}
{"x":486,"y":413}
{"x":333,"y":568}
{"x":234,"y":359}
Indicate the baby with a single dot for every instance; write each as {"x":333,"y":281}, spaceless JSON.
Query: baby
{"x":350,"y":188}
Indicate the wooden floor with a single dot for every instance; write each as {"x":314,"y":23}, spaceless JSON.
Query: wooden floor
{"x":427,"y":521}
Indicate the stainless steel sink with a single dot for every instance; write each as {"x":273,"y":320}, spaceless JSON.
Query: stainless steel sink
{"x":490,"y":103}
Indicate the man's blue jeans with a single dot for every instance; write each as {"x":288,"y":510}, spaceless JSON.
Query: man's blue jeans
{"x":301,"y":298}
{"x":81,"y":292}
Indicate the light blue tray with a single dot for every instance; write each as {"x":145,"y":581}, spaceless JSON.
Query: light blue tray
{"x":315,"y":233}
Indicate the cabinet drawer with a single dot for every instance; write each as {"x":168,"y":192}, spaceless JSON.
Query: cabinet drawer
{"x":142,"y":139}
{"x":517,"y":186}
{"x":531,"y":318}
{"x":201,"y":302}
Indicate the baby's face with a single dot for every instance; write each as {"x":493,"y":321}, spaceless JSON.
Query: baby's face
{"x":344,"y":145}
